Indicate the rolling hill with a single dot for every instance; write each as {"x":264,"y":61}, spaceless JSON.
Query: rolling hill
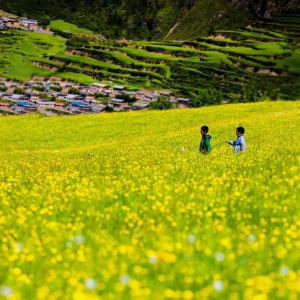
{"x":149,"y":19}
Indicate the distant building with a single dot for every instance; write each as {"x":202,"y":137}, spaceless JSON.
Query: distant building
{"x":11,"y":22}
{"x":183,"y":102}
{"x":99,"y":85}
{"x":30,"y":23}
{"x":119,"y":88}
{"x":140,"y":105}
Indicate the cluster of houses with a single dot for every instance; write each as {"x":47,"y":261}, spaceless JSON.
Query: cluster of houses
{"x":7,"y":21}
{"x":86,"y":99}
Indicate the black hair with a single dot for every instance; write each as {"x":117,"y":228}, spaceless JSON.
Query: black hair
{"x":205,"y":129}
{"x":241,"y":130}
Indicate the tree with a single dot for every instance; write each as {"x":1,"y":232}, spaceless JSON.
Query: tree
{"x":3,"y":88}
{"x":45,"y":21}
{"x":126,"y":97}
{"x":249,"y":94}
{"x":208,"y":96}
{"x":56,"y":88}
{"x":74,"y":91}
{"x":162,"y":103}
{"x":39,"y":88}
{"x":19,"y":91}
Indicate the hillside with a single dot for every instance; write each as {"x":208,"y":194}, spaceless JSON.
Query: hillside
{"x":110,"y":207}
{"x":149,"y":19}
{"x":250,"y":64}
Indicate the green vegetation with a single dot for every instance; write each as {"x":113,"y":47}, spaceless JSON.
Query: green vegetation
{"x":155,"y":19}
{"x":123,"y":206}
{"x":227,"y":61}
{"x":65,"y":26}
{"x":162,"y":103}
{"x":3,"y":88}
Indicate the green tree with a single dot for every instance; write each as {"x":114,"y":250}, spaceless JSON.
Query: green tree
{"x":249,"y":94}
{"x":162,"y":103}
{"x":206,"y":97}
{"x":74,"y":91}
{"x":3,"y":88}
{"x":39,"y":88}
{"x":19,"y":91}
{"x":56,"y":88}
{"x":44,"y":21}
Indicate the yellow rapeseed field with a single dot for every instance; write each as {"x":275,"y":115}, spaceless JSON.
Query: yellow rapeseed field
{"x":111,"y":207}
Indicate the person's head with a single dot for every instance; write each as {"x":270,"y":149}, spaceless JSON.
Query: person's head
{"x":204,"y":130}
{"x":240,"y":130}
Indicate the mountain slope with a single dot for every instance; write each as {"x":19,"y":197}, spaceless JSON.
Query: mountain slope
{"x":151,"y":18}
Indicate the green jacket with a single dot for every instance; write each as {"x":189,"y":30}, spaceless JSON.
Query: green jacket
{"x":205,"y":145}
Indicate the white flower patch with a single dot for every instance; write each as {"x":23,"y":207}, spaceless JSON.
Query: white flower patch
{"x":218,"y":285}
{"x":125,"y":279}
{"x":90,"y":284}
{"x":153,"y":259}
{"x":6,"y":291}
{"x":284,"y":270}
{"x":219,"y":256}
{"x":252,"y":238}
{"x":191,"y":238}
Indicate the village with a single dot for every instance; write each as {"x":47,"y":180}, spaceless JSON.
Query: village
{"x":15,"y":22}
{"x":56,"y":96}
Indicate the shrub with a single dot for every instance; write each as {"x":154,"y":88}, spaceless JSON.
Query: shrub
{"x":3,"y":88}
{"x":19,"y":91}
{"x":39,"y":88}
{"x":56,"y":88}
{"x":74,"y":91}
{"x":162,"y":103}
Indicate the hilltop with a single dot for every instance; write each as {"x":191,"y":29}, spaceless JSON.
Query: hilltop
{"x":151,"y":18}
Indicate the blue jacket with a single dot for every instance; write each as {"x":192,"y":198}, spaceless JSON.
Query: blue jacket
{"x":239,"y":145}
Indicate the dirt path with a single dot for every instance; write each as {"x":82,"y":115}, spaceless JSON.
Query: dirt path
{"x":171,"y":30}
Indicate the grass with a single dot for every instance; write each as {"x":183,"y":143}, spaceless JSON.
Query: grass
{"x":64,"y":26}
{"x":106,"y":206}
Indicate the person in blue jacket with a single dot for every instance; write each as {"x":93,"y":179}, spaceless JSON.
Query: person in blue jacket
{"x":240,"y":144}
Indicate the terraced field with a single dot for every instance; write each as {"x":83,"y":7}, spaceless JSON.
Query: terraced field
{"x":265,"y":55}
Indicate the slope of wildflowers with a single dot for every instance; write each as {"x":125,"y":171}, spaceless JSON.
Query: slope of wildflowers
{"x":110,"y":207}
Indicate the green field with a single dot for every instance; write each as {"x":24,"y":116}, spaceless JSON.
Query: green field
{"x":65,"y":26}
{"x":110,"y":207}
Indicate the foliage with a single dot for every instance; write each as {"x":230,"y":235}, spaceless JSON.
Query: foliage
{"x":45,"y":96}
{"x":56,"y":88}
{"x":77,"y":41}
{"x":259,"y":56}
{"x":109,"y":109}
{"x":74,"y":91}
{"x":117,"y":191}
{"x":44,"y":21}
{"x":249,"y":94}
{"x":39,"y":88}
{"x":162,"y":103}
{"x":145,"y":19}
{"x":19,"y":91}
{"x":206,"y":97}
{"x":127,"y":98}
{"x":3,"y":88}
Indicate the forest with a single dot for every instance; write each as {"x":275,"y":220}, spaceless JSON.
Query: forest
{"x":150,"y":19}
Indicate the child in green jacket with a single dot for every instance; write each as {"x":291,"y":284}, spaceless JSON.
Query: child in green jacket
{"x":205,"y":146}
